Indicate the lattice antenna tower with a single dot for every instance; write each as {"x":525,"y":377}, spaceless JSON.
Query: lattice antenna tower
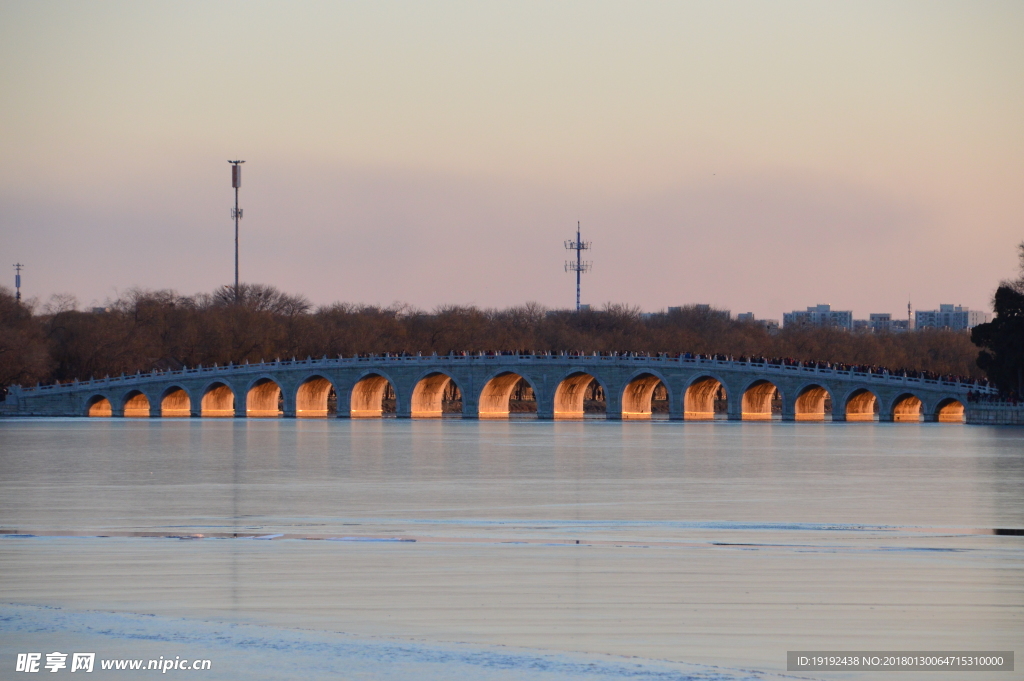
{"x":580,"y":266}
{"x":236,"y":214}
{"x":17,"y":281}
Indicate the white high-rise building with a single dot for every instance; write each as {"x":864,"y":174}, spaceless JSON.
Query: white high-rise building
{"x":949,"y":317}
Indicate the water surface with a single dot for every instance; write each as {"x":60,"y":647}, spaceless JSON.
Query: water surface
{"x":637,"y":547}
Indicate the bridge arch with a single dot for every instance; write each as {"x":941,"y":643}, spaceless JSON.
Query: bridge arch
{"x":761,"y":399}
{"x":906,"y":407}
{"x":499,"y":391}
{"x":175,"y":402}
{"x":135,"y":404}
{"x":430,"y":393}
{"x":813,"y":402}
{"x":218,"y":400}
{"x":373,"y":395}
{"x":701,"y":395}
{"x":949,"y":410}
{"x":263,"y":398}
{"x":639,"y":394}
{"x":573,"y":391}
{"x":315,"y":396}
{"x":861,"y":405}
{"x":98,"y":405}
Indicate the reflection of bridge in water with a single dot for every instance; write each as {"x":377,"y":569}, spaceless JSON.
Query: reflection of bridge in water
{"x":482,"y":386}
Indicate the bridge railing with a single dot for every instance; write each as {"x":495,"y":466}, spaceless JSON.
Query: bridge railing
{"x":765,"y":366}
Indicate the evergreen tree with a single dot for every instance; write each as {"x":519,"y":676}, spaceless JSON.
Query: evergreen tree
{"x":1002,"y":339}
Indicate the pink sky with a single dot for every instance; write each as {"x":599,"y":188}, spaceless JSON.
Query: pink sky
{"x":756,"y":156}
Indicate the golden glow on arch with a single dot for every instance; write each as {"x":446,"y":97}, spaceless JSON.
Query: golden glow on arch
{"x":219,"y":401}
{"x":99,"y":407}
{"x":757,"y":401}
{"x":137,"y":406}
{"x":175,"y":403}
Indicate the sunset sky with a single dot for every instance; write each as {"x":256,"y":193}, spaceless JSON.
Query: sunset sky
{"x":757,"y":156}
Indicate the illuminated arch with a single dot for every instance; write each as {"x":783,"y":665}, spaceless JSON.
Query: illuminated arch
{"x":949,"y":410}
{"x":861,"y":405}
{"x":369,"y":394}
{"x":218,"y":400}
{"x":638,"y":395}
{"x":700,"y":397}
{"x":313,"y":397}
{"x":136,"y":405}
{"x":907,"y":408}
{"x":175,"y":402}
{"x":758,"y":400}
{"x":573,"y":390}
{"x":98,"y":406}
{"x":428,"y":396}
{"x":499,"y":391}
{"x":263,"y":398}
{"x":812,"y":403}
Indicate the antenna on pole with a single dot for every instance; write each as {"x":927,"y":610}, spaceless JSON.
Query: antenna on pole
{"x":580,"y":266}
{"x":17,"y":281}
{"x":236,"y":213}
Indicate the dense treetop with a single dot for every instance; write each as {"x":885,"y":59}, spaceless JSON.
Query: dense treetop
{"x":1002,"y":339}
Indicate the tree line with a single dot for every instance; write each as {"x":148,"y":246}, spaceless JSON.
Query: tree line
{"x":145,"y":330}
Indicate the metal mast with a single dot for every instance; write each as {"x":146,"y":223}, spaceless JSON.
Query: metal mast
{"x":236,"y":182}
{"x":580,"y":266}
{"x":17,"y":281}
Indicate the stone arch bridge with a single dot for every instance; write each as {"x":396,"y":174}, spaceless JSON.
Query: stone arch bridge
{"x":416,"y":387}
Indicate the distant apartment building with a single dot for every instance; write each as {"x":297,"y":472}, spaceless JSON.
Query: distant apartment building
{"x":770,"y":325}
{"x":819,"y":315}
{"x":880,"y":322}
{"x":949,"y":317}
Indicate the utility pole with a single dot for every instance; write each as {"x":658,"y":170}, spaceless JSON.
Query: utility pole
{"x":236,"y":182}
{"x":17,"y":281}
{"x":579,"y":267}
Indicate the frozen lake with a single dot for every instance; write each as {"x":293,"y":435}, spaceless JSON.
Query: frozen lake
{"x":449,"y":549}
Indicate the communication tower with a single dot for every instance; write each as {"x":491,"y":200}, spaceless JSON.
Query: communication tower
{"x":236,"y":213}
{"x":580,"y":266}
{"x":17,"y":281}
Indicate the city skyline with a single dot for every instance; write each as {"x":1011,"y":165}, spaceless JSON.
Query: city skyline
{"x":752,"y":158}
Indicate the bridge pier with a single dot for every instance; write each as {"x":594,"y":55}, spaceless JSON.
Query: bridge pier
{"x":734,"y":405}
{"x":288,"y":409}
{"x":613,"y":404}
{"x":343,"y":397}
